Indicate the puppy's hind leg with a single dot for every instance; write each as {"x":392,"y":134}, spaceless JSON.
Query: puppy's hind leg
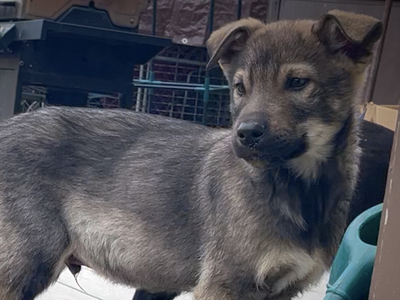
{"x":31,"y":257}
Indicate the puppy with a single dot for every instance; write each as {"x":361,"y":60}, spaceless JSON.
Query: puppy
{"x":252,"y":212}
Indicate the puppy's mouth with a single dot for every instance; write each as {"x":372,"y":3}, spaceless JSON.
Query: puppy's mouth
{"x":271,"y":154}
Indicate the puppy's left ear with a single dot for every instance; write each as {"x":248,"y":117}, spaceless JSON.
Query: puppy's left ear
{"x":351,"y":34}
{"x":229,"y":40}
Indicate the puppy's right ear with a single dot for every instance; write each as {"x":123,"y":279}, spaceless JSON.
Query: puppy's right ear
{"x":229,"y":40}
{"x":348,"y":33}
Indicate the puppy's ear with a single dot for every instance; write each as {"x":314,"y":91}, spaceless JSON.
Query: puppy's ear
{"x":349,"y":33}
{"x":229,"y":40}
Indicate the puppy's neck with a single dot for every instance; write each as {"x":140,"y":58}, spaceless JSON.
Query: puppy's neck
{"x":326,"y":142}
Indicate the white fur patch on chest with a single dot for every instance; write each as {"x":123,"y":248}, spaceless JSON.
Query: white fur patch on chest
{"x":299,"y":263}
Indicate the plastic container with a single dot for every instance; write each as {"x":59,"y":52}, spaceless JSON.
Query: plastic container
{"x":351,"y":271}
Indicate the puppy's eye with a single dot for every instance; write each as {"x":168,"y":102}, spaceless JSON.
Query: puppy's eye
{"x":240,"y":89}
{"x":296,"y":84}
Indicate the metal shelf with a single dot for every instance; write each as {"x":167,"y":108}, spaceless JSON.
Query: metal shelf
{"x":178,"y":85}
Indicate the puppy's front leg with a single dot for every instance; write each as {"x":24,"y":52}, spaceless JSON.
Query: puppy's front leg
{"x":225,"y":287}
{"x":225,"y":278}
{"x":289,"y":294}
{"x":213,"y":292}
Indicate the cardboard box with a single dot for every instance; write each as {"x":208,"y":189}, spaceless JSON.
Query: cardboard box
{"x":385,"y":115}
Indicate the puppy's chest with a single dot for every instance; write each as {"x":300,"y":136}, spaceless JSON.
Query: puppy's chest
{"x":281,"y":267}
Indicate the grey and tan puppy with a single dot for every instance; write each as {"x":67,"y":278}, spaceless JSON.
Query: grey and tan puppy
{"x":253,"y":212}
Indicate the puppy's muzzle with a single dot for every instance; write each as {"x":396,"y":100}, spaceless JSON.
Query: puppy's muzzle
{"x":255,"y":140}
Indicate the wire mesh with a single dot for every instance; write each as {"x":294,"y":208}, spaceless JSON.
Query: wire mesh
{"x":32,"y":98}
{"x":104,"y":101}
{"x":182,"y":64}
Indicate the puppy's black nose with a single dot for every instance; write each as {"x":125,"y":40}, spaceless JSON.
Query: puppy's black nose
{"x":249,"y":133}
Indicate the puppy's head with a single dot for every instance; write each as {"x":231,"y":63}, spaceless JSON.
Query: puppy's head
{"x":293,"y":83}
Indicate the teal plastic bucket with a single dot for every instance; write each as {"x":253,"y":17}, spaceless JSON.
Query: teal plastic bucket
{"x":351,"y":271}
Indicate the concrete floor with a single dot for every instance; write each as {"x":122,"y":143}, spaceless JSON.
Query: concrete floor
{"x":94,"y":287}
